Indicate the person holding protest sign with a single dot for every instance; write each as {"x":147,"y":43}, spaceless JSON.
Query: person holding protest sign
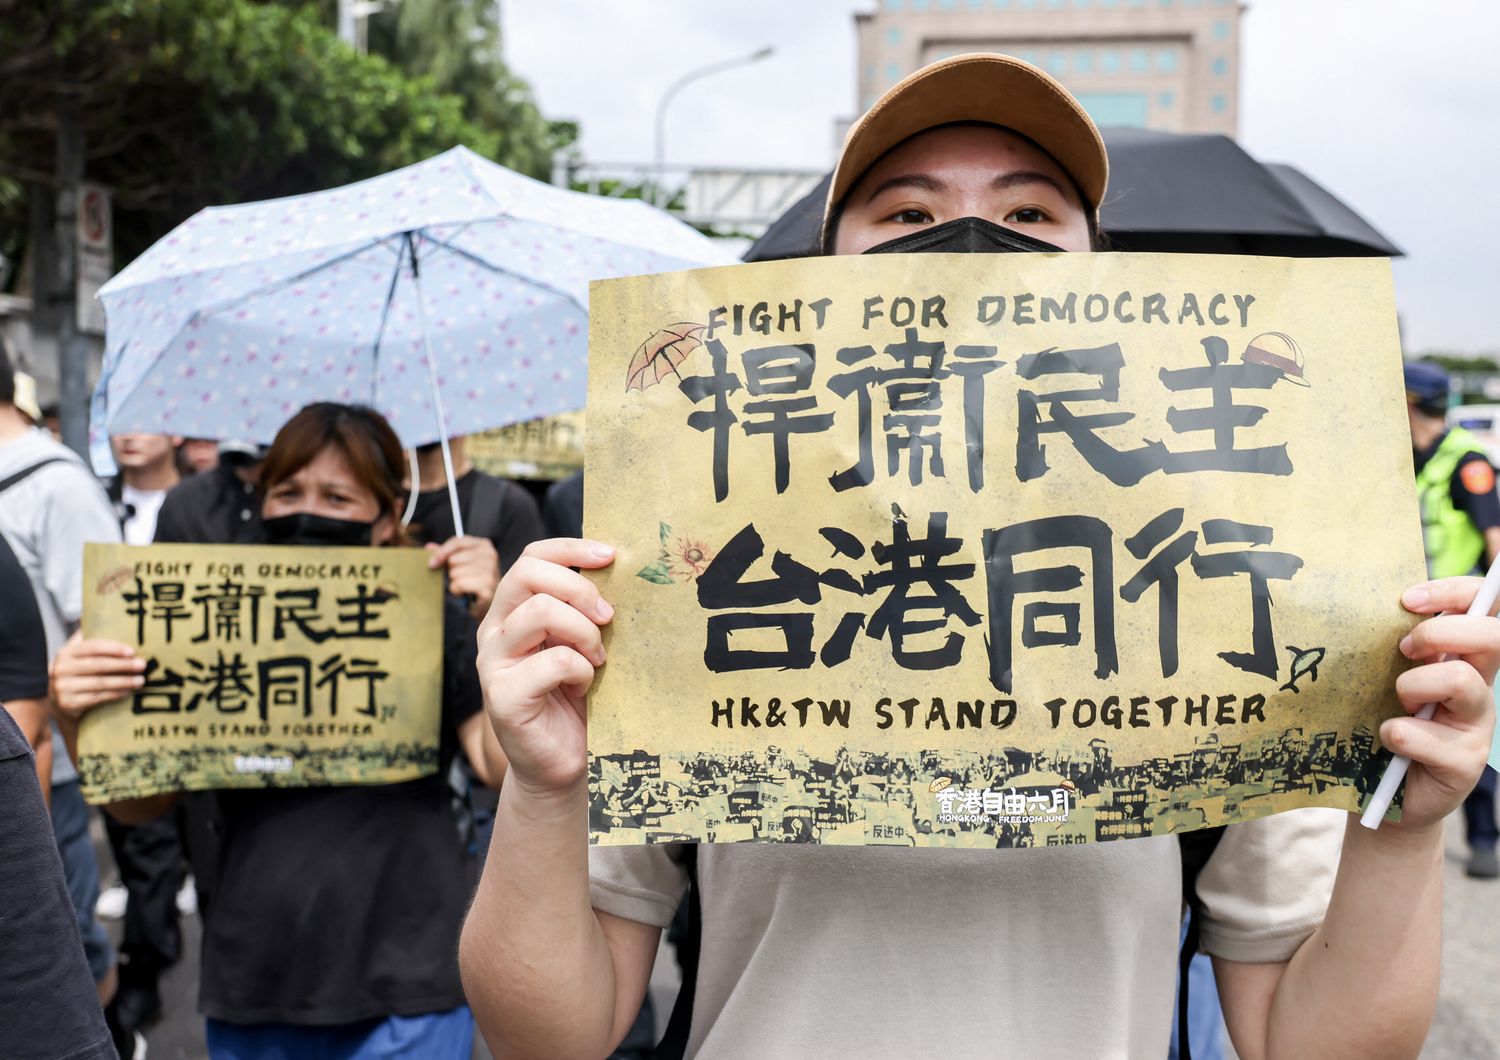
{"x":337,"y":908}
{"x":963,"y":951}
{"x":1461,"y":530}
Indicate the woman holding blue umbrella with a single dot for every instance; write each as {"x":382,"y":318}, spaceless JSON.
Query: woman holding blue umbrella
{"x":335,"y":928}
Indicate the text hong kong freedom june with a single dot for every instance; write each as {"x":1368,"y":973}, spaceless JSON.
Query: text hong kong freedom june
{"x":926,"y":530}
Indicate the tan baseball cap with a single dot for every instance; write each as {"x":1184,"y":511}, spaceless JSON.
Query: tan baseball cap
{"x":985,"y":87}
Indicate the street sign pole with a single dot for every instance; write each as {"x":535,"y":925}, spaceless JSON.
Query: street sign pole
{"x":72,"y":343}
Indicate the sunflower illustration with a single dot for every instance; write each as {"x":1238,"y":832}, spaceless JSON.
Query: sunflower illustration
{"x":690,"y":558}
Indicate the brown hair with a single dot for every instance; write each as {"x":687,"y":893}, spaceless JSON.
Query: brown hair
{"x":364,"y":438}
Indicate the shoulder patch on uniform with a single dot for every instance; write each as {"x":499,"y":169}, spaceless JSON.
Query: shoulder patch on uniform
{"x":1477,"y":476}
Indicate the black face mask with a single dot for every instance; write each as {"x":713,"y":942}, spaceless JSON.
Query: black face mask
{"x":965,"y":235}
{"x":305,"y":528}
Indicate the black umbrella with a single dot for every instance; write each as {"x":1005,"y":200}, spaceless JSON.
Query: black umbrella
{"x":1174,"y":192}
{"x":796,"y":233}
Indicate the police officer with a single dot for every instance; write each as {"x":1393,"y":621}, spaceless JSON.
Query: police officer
{"x":1461,"y":532}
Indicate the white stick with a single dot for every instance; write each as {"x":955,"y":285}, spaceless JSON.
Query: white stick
{"x":1380,"y":801}
{"x":437,"y":398}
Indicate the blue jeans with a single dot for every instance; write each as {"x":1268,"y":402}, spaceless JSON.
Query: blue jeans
{"x":434,"y":1036}
{"x":70,"y":826}
{"x":1479,"y":813}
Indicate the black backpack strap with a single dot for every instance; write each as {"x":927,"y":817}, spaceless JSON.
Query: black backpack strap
{"x":26,"y":472}
{"x":1196,"y":848}
{"x":674,"y":1042}
{"x":482,"y":516}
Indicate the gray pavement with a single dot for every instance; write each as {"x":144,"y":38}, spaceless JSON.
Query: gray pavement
{"x":1467,"y":1026}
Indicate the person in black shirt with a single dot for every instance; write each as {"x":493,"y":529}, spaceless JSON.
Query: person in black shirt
{"x":562,"y":511}
{"x":335,"y":927}
{"x":217,"y":506}
{"x":23,"y":663}
{"x":493,"y":509}
{"x":48,"y":1004}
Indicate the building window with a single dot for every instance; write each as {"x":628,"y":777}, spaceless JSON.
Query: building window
{"x":1056,"y":5}
{"x":1166,"y":60}
{"x":1057,"y":63}
{"x":1029,"y":57}
{"x":919,"y":5}
{"x":1220,"y":67}
{"x":893,"y":71}
{"x":1115,"y":108}
{"x":947,"y":5}
{"x":975,"y":5}
{"x":1109,"y":61}
{"x":1219,"y":103}
{"x":1166,"y":100}
{"x":1221,"y":30}
{"x":1166,"y":3}
{"x":1108,"y":3}
{"x":1083,"y":61}
{"x":869,"y":100}
{"x":893,"y":5}
{"x":1002,"y":3}
{"x":1140,"y":63}
{"x":1028,"y":4}
{"x":1080,"y":3}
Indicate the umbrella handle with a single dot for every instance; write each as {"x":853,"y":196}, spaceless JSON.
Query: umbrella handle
{"x":432,"y":382}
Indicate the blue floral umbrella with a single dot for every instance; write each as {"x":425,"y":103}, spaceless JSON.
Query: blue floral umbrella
{"x":450,"y":295}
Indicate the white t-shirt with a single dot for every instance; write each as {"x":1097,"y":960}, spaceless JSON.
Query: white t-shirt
{"x":142,"y":506}
{"x":873,"y":952}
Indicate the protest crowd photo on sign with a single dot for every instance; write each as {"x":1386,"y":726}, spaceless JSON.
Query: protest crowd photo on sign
{"x":1010,"y":587}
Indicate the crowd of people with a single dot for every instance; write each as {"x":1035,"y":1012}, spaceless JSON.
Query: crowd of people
{"x":265,"y":860}
{"x":365,"y":921}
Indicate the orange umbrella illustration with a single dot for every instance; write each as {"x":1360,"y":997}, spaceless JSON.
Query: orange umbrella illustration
{"x":659,"y":356}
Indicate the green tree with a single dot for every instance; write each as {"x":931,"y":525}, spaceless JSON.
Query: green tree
{"x":178,"y":104}
{"x":456,"y":44}
{"x":182,"y":104}
{"x":1459,"y":362}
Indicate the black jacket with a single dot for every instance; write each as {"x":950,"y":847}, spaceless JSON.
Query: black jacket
{"x":211,"y":508}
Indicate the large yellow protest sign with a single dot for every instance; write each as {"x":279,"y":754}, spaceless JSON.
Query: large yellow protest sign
{"x":265,"y":667}
{"x":994,"y":549}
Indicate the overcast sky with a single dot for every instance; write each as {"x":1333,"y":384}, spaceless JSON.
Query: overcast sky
{"x":1393,"y":105}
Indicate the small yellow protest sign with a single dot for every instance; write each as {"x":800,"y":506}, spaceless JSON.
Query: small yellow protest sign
{"x":550,"y":447}
{"x":979,"y":550}
{"x":265,"y":667}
